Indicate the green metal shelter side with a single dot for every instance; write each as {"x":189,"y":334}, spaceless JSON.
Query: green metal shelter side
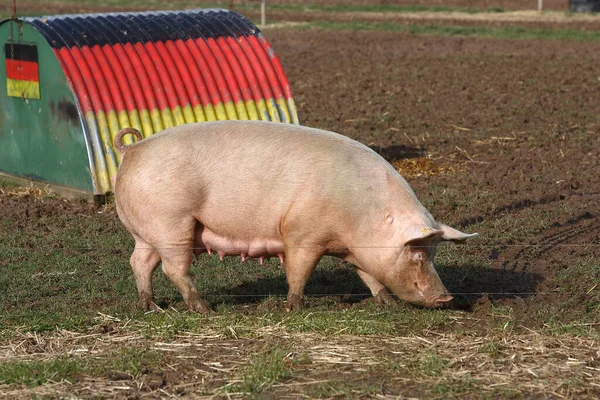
{"x":41,"y":139}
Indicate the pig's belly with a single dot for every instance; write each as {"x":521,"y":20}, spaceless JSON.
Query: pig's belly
{"x":209,"y":241}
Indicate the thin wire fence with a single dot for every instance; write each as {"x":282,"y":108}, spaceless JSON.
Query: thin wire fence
{"x":365,"y":295}
{"x":461,"y":246}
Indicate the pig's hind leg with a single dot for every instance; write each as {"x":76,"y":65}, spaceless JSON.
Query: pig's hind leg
{"x":175,"y":246}
{"x":176,"y":265}
{"x":144,"y":261}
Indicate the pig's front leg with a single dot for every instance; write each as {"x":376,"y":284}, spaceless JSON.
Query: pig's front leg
{"x":380,"y":292}
{"x":300,"y":262}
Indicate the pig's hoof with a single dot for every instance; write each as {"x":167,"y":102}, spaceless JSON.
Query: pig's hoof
{"x":384,"y":298}
{"x":154,"y":307}
{"x":200,"y":307}
{"x":294,"y":303}
{"x":146,"y":302}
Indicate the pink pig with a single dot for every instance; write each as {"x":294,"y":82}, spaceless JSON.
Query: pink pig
{"x":265,"y":189}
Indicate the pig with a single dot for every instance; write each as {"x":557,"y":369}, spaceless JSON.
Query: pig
{"x":265,"y":189}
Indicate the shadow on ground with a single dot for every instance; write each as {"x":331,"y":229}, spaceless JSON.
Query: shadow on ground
{"x":397,"y":152}
{"x":468,"y":284}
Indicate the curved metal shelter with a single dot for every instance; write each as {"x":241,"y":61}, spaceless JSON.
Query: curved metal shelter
{"x":73,"y":81}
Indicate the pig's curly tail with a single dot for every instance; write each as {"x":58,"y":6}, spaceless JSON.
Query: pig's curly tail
{"x":118,"y":142}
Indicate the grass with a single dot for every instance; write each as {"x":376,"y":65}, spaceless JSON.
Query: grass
{"x":456,"y":388}
{"x":248,"y":7}
{"x":255,"y":6}
{"x":261,"y":349}
{"x":129,"y":362}
{"x":34,"y":373}
{"x":78,"y":265}
{"x":272,"y":349}
{"x":8,"y":185}
{"x":431,"y":364}
{"x":264,"y":369}
{"x":568,"y":279}
{"x":378,"y":8}
{"x":345,"y":388}
{"x":462,"y":31}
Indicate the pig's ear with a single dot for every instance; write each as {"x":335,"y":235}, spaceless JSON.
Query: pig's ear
{"x":452,"y":235}
{"x":419,"y":236}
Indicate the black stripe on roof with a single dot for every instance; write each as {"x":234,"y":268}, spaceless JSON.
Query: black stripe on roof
{"x":133,"y":27}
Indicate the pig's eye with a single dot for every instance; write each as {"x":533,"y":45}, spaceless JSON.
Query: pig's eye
{"x":417,"y":256}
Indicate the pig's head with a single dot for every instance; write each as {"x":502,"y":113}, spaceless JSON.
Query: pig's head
{"x":413,"y":278}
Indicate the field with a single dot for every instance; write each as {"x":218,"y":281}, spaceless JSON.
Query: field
{"x":491,"y":113}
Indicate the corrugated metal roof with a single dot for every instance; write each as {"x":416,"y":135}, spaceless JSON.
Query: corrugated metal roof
{"x":157,"y":69}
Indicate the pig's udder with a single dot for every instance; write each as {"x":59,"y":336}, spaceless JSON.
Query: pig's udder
{"x":207,"y":241}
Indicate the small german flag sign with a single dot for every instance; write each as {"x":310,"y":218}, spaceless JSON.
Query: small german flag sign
{"x":22,"y":74}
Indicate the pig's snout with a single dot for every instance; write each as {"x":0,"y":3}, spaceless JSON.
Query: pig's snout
{"x":436,"y":300}
{"x":432,"y":295}
{"x":440,"y":301}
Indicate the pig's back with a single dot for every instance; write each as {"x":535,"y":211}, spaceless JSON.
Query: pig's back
{"x":252,"y":154}
{"x":233,"y":171}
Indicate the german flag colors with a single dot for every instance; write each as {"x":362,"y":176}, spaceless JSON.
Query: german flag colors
{"x":158,"y":69}
{"x":22,"y":74}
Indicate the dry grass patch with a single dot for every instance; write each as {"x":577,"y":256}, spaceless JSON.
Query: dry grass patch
{"x":37,"y":191}
{"x":555,"y":17}
{"x":285,"y":364}
{"x":422,"y":166}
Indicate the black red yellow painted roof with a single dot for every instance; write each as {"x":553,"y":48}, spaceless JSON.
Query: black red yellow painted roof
{"x":157,"y":69}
